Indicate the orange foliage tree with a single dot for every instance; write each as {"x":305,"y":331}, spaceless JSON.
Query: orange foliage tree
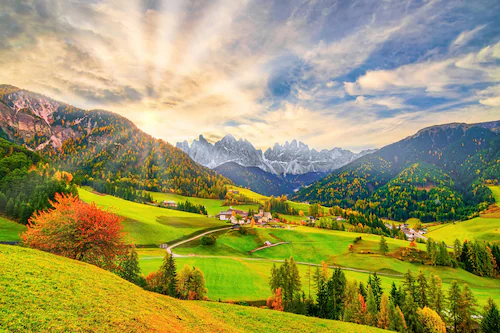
{"x":275,"y":302}
{"x":78,"y":231}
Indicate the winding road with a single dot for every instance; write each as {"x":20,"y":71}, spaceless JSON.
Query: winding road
{"x":169,"y":250}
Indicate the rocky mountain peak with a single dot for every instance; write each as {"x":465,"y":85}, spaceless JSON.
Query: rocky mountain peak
{"x":292,"y":157}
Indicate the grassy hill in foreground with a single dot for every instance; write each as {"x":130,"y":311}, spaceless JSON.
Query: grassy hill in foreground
{"x":45,"y":293}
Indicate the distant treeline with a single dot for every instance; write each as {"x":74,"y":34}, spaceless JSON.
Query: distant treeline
{"x":123,"y":188}
{"x":188,"y":206}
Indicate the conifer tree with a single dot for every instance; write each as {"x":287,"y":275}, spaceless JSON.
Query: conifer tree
{"x":491,"y":318}
{"x":169,"y":283}
{"x":466,"y":310}
{"x":454,"y":295}
{"x":376,"y":284}
{"x":436,"y":297}
{"x":383,"y":320}
{"x":129,"y":267}
{"x":383,"y":247}
{"x":362,"y":289}
{"x":351,"y":302}
{"x":410,"y":311}
{"x":371,"y":308}
{"x":396,"y":319}
{"x":422,"y":288}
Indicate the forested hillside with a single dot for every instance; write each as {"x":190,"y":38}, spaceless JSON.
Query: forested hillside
{"x":102,"y":148}
{"x":438,"y":174}
{"x":265,"y":182}
{"x":27,"y":183}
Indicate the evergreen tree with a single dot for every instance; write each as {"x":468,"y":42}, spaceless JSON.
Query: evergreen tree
{"x":422,"y":290}
{"x":336,"y":290}
{"x":129,"y":267}
{"x":454,"y":295}
{"x":466,"y":310}
{"x":409,"y":285}
{"x":169,"y":283}
{"x":491,"y":318}
{"x":397,"y":320}
{"x":410,"y":311}
{"x":383,"y":318}
{"x":383,"y":247}
{"x":436,"y":297}
{"x":9,"y":207}
{"x":371,"y":308}
{"x":362,"y":289}
{"x":376,"y":284}
{"x":322,"y":300}
{"x":457,"y":250}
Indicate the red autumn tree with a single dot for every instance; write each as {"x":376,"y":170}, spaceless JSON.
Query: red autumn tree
{"x":78,"y":231}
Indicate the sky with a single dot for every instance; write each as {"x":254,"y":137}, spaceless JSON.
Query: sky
{"x":350,"y":74}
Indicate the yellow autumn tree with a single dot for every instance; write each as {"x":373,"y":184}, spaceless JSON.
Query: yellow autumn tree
{"x":430,"y":320}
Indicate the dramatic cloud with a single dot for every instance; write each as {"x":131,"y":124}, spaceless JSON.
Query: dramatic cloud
{"x":330,"y":73}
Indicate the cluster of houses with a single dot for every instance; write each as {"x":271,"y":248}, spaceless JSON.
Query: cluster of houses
{"x":410,"y":233}
{"x":236,"y":216}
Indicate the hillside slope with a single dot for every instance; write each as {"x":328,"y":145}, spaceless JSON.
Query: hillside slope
{"x":101,"y":148}
{"x":40,"y":292}
{"x":436,"y":174}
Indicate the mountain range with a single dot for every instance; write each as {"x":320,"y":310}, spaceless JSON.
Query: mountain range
{"x":292,"y":158}
{"x":278,"y":170}
{"x":437,"y":174}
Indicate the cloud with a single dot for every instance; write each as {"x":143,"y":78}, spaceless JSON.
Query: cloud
{"x":437,"y":76}
{"x":321,"y":72}
{"x":466,"y":36}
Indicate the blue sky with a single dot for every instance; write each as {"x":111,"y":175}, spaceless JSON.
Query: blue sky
{"x":351,"y":74}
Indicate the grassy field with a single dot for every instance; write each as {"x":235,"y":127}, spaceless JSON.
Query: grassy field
{"x":47,"y":293}
{"x":484,"y":228}
{"x":306,"y":244}
{"x":239,"y":279}
{"x":151,"y":225}
{"x":9,"y":230}
{"x":213,"y":206}
{"x":479,"y":228}
{"x":238,"y":275}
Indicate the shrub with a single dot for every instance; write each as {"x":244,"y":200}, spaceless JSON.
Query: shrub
{"x":209,"y":240}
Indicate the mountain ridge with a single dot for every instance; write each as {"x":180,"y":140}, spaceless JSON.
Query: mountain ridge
{"x":390,"y":182}
{"x":293,"y":157}
{"x":102,"y":148}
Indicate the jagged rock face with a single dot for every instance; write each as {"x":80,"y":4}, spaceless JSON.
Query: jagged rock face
{"x":32,"y":118}
{"x":291,"y":158}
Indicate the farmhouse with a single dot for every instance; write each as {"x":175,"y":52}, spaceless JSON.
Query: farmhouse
{"x":226,"y":215}
{"x":167,"y":203}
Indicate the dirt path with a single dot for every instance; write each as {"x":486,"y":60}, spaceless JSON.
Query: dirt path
{"x":169,"y":250}
{"x":267,"y":246}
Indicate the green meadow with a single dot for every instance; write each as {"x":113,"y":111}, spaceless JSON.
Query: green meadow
{"x":484,"y":228}
{"x":244,"y":279}
{"x":233,"y":273}
{"x":479,"y":228}
{"x":10,"y":230}
{"x":213,"y":206}
{"x":151,"y":225}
